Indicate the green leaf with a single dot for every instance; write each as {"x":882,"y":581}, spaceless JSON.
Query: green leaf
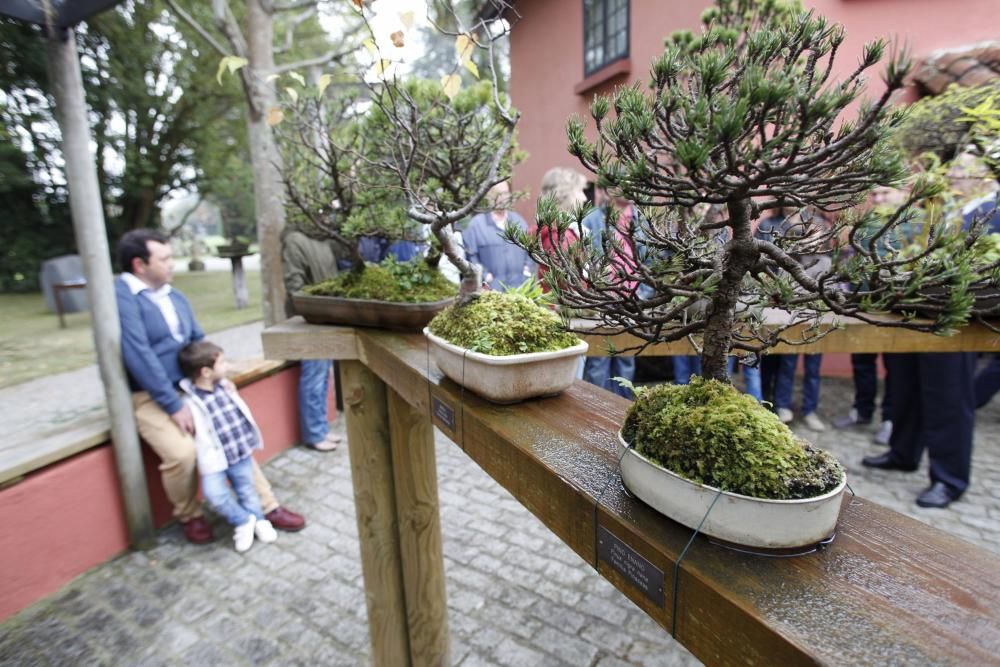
{"x":297,"y":77}
{"x":471,"y":66}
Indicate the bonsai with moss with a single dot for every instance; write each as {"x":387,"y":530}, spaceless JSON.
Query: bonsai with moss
{"x":397,"y":282}
{"x":502,"y":324}
{"x":710,"y":433}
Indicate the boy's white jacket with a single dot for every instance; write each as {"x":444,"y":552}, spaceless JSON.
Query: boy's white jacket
{"x":211,"y":456}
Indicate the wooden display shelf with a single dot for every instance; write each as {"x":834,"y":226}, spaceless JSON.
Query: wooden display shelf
{"x":889,"y":588}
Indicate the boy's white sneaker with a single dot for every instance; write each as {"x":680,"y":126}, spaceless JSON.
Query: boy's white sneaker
{"x":265,"y":531}
{"x":243,"y":535}
{"x":785,"y":415}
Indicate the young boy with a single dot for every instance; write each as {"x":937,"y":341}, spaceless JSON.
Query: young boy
{"x":225,"y":437}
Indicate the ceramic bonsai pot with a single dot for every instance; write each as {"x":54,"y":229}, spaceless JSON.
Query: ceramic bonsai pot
{"x":753,"y":522}
{"x":367,"y":312}
{"x":511,"y":378}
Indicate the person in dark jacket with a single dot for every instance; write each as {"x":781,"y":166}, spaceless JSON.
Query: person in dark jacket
{"x":156,"y":323}
{"x":933,"y":397}
{"x":306,"y":260}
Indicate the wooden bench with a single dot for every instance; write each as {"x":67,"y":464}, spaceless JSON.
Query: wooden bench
{"x":888,"y":589}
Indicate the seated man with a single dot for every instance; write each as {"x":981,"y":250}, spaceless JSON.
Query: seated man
{"x":156,"y":322}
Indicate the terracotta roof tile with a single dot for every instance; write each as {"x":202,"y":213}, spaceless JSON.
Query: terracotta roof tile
{"x":968,"y":65}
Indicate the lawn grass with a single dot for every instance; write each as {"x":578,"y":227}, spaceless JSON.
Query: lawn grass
{"x":32,"y":344}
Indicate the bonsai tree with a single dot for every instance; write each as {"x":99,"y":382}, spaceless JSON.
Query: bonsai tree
{"x":321,"y":134}
{"x":740,"y":120}
{"x":437,"y":145}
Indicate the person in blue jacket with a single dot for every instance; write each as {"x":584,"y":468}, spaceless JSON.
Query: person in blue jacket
{"x":156,"y":323}
{"x":503,"y":264}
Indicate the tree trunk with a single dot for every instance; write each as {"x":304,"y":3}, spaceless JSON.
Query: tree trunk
{"x":266,"y":161}
{"x":471,"y":274}
{"x":740,"y":256}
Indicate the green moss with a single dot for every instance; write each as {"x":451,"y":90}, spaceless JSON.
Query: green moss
{"x":711,"y":433}
{"x":502,"y":324}
{"x":399,"y":282}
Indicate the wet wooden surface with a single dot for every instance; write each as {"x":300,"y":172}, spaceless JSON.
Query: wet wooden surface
{"x":889,"y":588}
{"x":852,"y":336}
{"x":295,"y":338}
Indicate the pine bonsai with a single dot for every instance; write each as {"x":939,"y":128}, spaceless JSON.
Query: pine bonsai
{"x":743,"y":119}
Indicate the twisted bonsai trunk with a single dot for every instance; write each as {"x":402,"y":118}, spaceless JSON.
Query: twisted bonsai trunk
{"x":472,"y":278}
{"x":740,"y":256}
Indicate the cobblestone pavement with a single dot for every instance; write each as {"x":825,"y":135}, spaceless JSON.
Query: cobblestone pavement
{"x":516,"y":595}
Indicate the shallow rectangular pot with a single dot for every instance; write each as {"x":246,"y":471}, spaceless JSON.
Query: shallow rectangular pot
{"x":367,"y":312}
{"x":511,"y":378}
{"x":753,"y":522}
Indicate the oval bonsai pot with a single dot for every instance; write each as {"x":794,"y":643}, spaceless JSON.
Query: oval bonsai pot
{"x":367,"y":312}
{"x":753,"y":522}
{"x":511,"y":378}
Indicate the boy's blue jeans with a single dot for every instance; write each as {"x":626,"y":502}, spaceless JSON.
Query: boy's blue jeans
{"x":314,"y":387}
{"x":236,"y":511}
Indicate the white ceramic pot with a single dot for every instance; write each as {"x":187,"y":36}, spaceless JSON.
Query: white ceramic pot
{"x":753,"y":522}
{"x":511,"y":378}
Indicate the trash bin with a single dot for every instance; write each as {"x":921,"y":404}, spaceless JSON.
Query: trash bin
{"x":65,"y":269}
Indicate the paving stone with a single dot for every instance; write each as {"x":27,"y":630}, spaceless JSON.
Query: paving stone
{"x":614,"y":639}
{"x":602,"y":609}
{"x":255,"y":649}
{"x":206,"y":653}
{"x":513,"y":654}
{"x":571,"y":650}
{"x":559,"y":616}
{"x":175,"y":639}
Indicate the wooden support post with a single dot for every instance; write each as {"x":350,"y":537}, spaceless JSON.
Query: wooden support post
{"x":418,"y":511}
{"x":367,"y":421}
{"x":92,"y":244}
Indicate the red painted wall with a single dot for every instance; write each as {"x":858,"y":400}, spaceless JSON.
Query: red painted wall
{"x":547,"y":57}
{"x":67,"y":518}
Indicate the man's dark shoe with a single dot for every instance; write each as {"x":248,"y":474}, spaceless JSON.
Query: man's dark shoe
{"x":197,"y":531}
{"x":886,"y":461}
{"x":286,"y":520}
{"x":937,"y":495}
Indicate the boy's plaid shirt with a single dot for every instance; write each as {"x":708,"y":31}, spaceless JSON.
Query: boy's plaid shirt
{"x":233,"y":429}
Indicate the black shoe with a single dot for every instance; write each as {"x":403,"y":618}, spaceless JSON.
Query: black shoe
{"x":887,"y":461}
{"x":937,"y":495}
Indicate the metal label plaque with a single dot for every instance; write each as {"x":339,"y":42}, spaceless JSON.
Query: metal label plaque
{"x":444,"y":412}
{"x":627,"y":562}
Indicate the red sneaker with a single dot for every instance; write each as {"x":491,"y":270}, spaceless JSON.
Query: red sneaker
{"x":197,"y":531}
{"x":285,"y":519}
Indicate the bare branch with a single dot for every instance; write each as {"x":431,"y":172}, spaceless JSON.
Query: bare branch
{"x":202,"y":32}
